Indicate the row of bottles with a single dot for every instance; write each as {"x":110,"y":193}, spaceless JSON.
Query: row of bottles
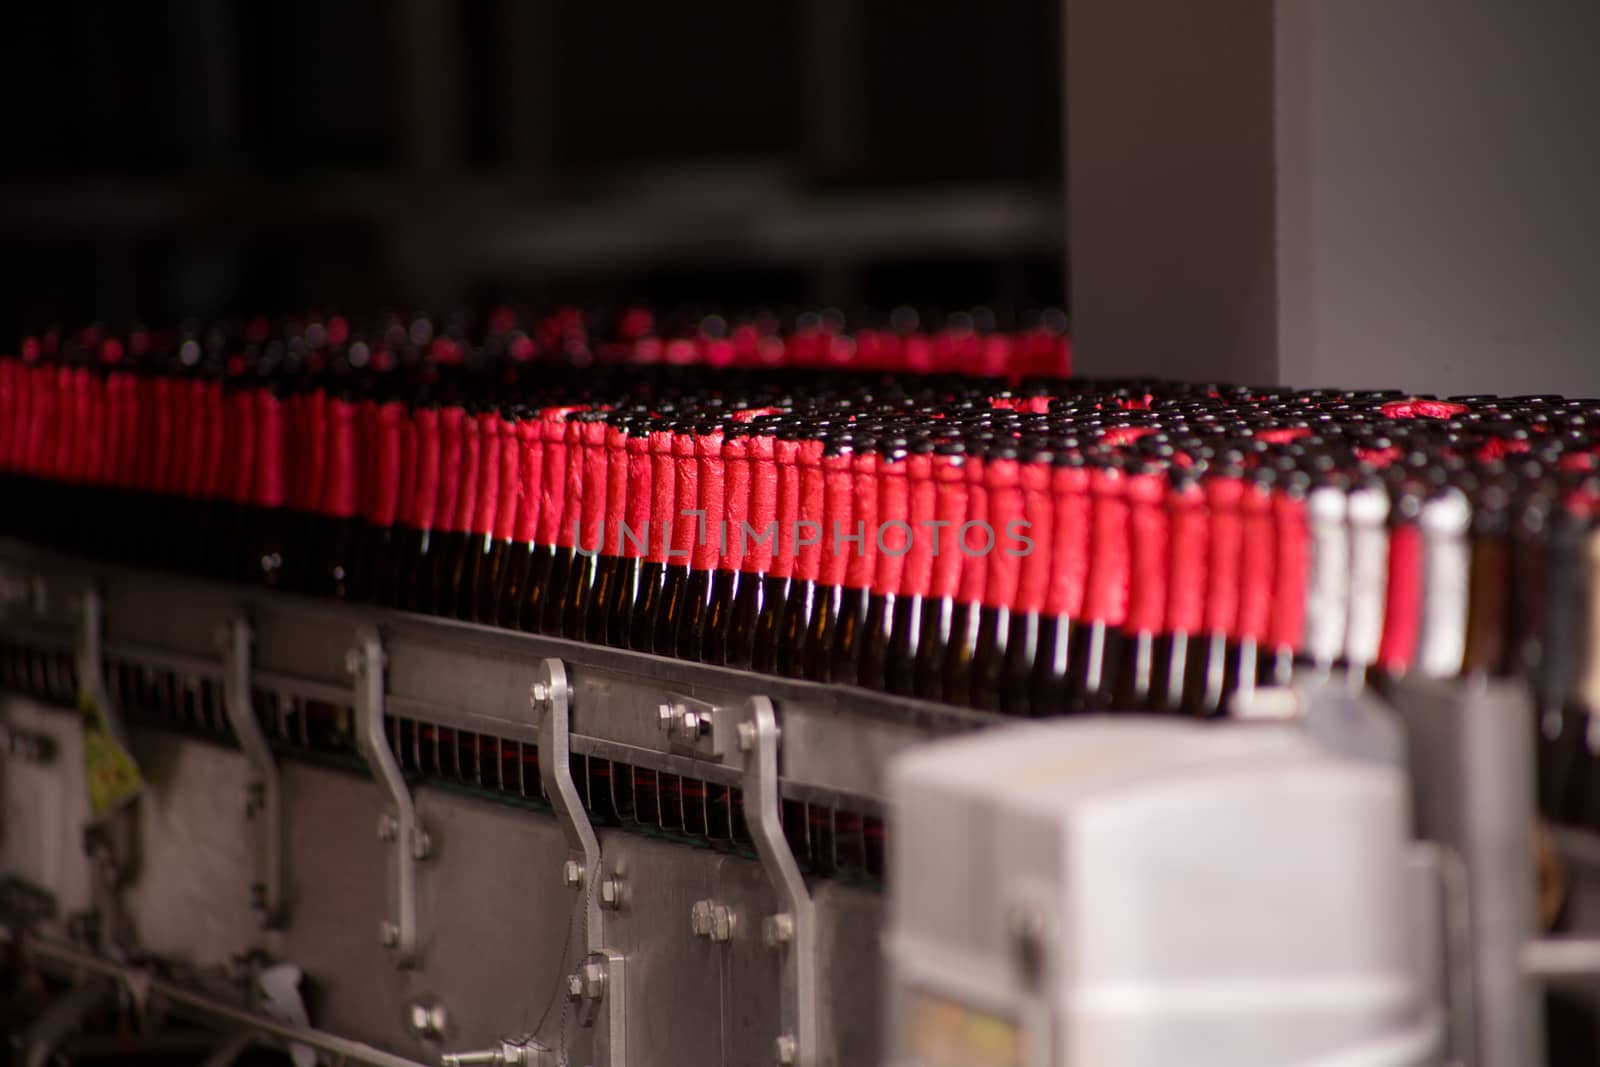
{"x":1034,"y":548}
{"x":905,"y":341}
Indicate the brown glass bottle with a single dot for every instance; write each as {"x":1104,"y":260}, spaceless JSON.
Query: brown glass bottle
{"x":648,"y":598}
{"x":455,"y":527}
{"x":267,"y":533}
{"x":525,"y":531}
{"x":479,"y":540}
{"x":1033,"y":538}
{"x":633,"y":539}
{"x":380,"y":499}
{"x":759,"y":583}
{"x":893,"y":537}
{"x":1147,"y":533}
{"x":489,"y":573}
{"x":600,"y":613}
{"x":805,"y":541}
{"x":1095,"y":655}
{"x":695,"y":609}
{"x":1189,"y":532}
{"x":538,"y":580}
{"x":1071,"y":518}
{"x":902,"y":614}
{"x":828,"y":596}
{"x":680,"y":529}
{"x":860,"y":541}
{"x":975,"y":541}
{"x":553,"y":618}
{"x":725,"y":579}
{"x":1002,"y":575}
{"x":938,"y":612}
{"x":588,"y":540}
{"x":416,"y":536}
{"x":329,"y":552}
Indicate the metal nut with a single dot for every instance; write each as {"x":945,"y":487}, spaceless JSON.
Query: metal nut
{"x":777,"y":929}
{"x":594,"y":981}
{"x":574,"y":987}
{"x":747,"y":736}
{"x":788,"y":1049}
{"x":427,"y":1020}
{"x":611,"y":893}
{"x":572,"y":874}
{"x":421,"y":844}
{"x":712,"y":921}
{"x":540,"y":692}
{"x":665,"y":716}
{"x":691,"y":723}
{"x":388,"y":827}
{"x":389,"y":934}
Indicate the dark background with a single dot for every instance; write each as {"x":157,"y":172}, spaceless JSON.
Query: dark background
{"x":210,"y":157}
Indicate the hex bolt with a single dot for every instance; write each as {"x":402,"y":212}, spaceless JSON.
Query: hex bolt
{"x":747,"y":736}
{"x":388,"y":827}
{"x":777,"y":930}
{"x":427,"y":1020}
{"x":389,"y":934}
{"x":690,"y":724}
{"x":664,"y":717}
{"x":700,"y":918}
{"x":572,"y":874}
{"x":712,"y":921}
{"x":574,"y":986}
{"x":611,"y":893}
{"x":421,"y":844}
{"x":540,"y":692}
{"x":788,"y":1049}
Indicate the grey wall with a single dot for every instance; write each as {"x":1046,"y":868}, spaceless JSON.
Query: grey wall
{"x":1439,"y":194}
{"x":1378,"y":193}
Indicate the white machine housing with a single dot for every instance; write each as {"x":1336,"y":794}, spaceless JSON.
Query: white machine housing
{"x":1135,"y":892}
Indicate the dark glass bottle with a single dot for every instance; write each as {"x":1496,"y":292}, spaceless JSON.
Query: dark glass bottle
{"x":268,"y":532}
{"x":696,"y":606}
{"x":860,"y":541}
{"x":725,"y":579}
{"x":1189,"y":534}
{"x":539,"y":582}
{"x":414,"y":560}
{"x":938,"y":613}
{"x":649,"y":598}
{"x":1003,"y":572}
{"x":589,"y":537}
{"x":680,"y":530}
{"x":1034,"y":539}
{"x":829,"y":592}
{"x":455,"y":527}
{"x":760,"y":584}
{"x":1096,"y":653}
{"x":1147,"y":588}
{"x":525,"y":528}
{"x":1206,"y":673}
{"x":902,"y":621}
{"x":634,"y":541}
{"x":479,"y":541}
{"x":553,"y":617}
{"x":331,"y":548}
{"x":894,"y":539}
{"x":601,"y":616}
{"x":974,"y":541}
{"x":795,"y":622}
{"x":489,"y":566}
{"x":1071,"y":513}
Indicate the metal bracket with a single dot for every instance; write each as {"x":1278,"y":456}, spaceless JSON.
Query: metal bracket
{"x":597,"y":984}
{"x":264,"y":805}
{"x":792,"y":931}
{"x":402,"y":829}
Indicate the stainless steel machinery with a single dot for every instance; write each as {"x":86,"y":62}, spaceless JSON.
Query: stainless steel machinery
{"x":383,"y":839}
